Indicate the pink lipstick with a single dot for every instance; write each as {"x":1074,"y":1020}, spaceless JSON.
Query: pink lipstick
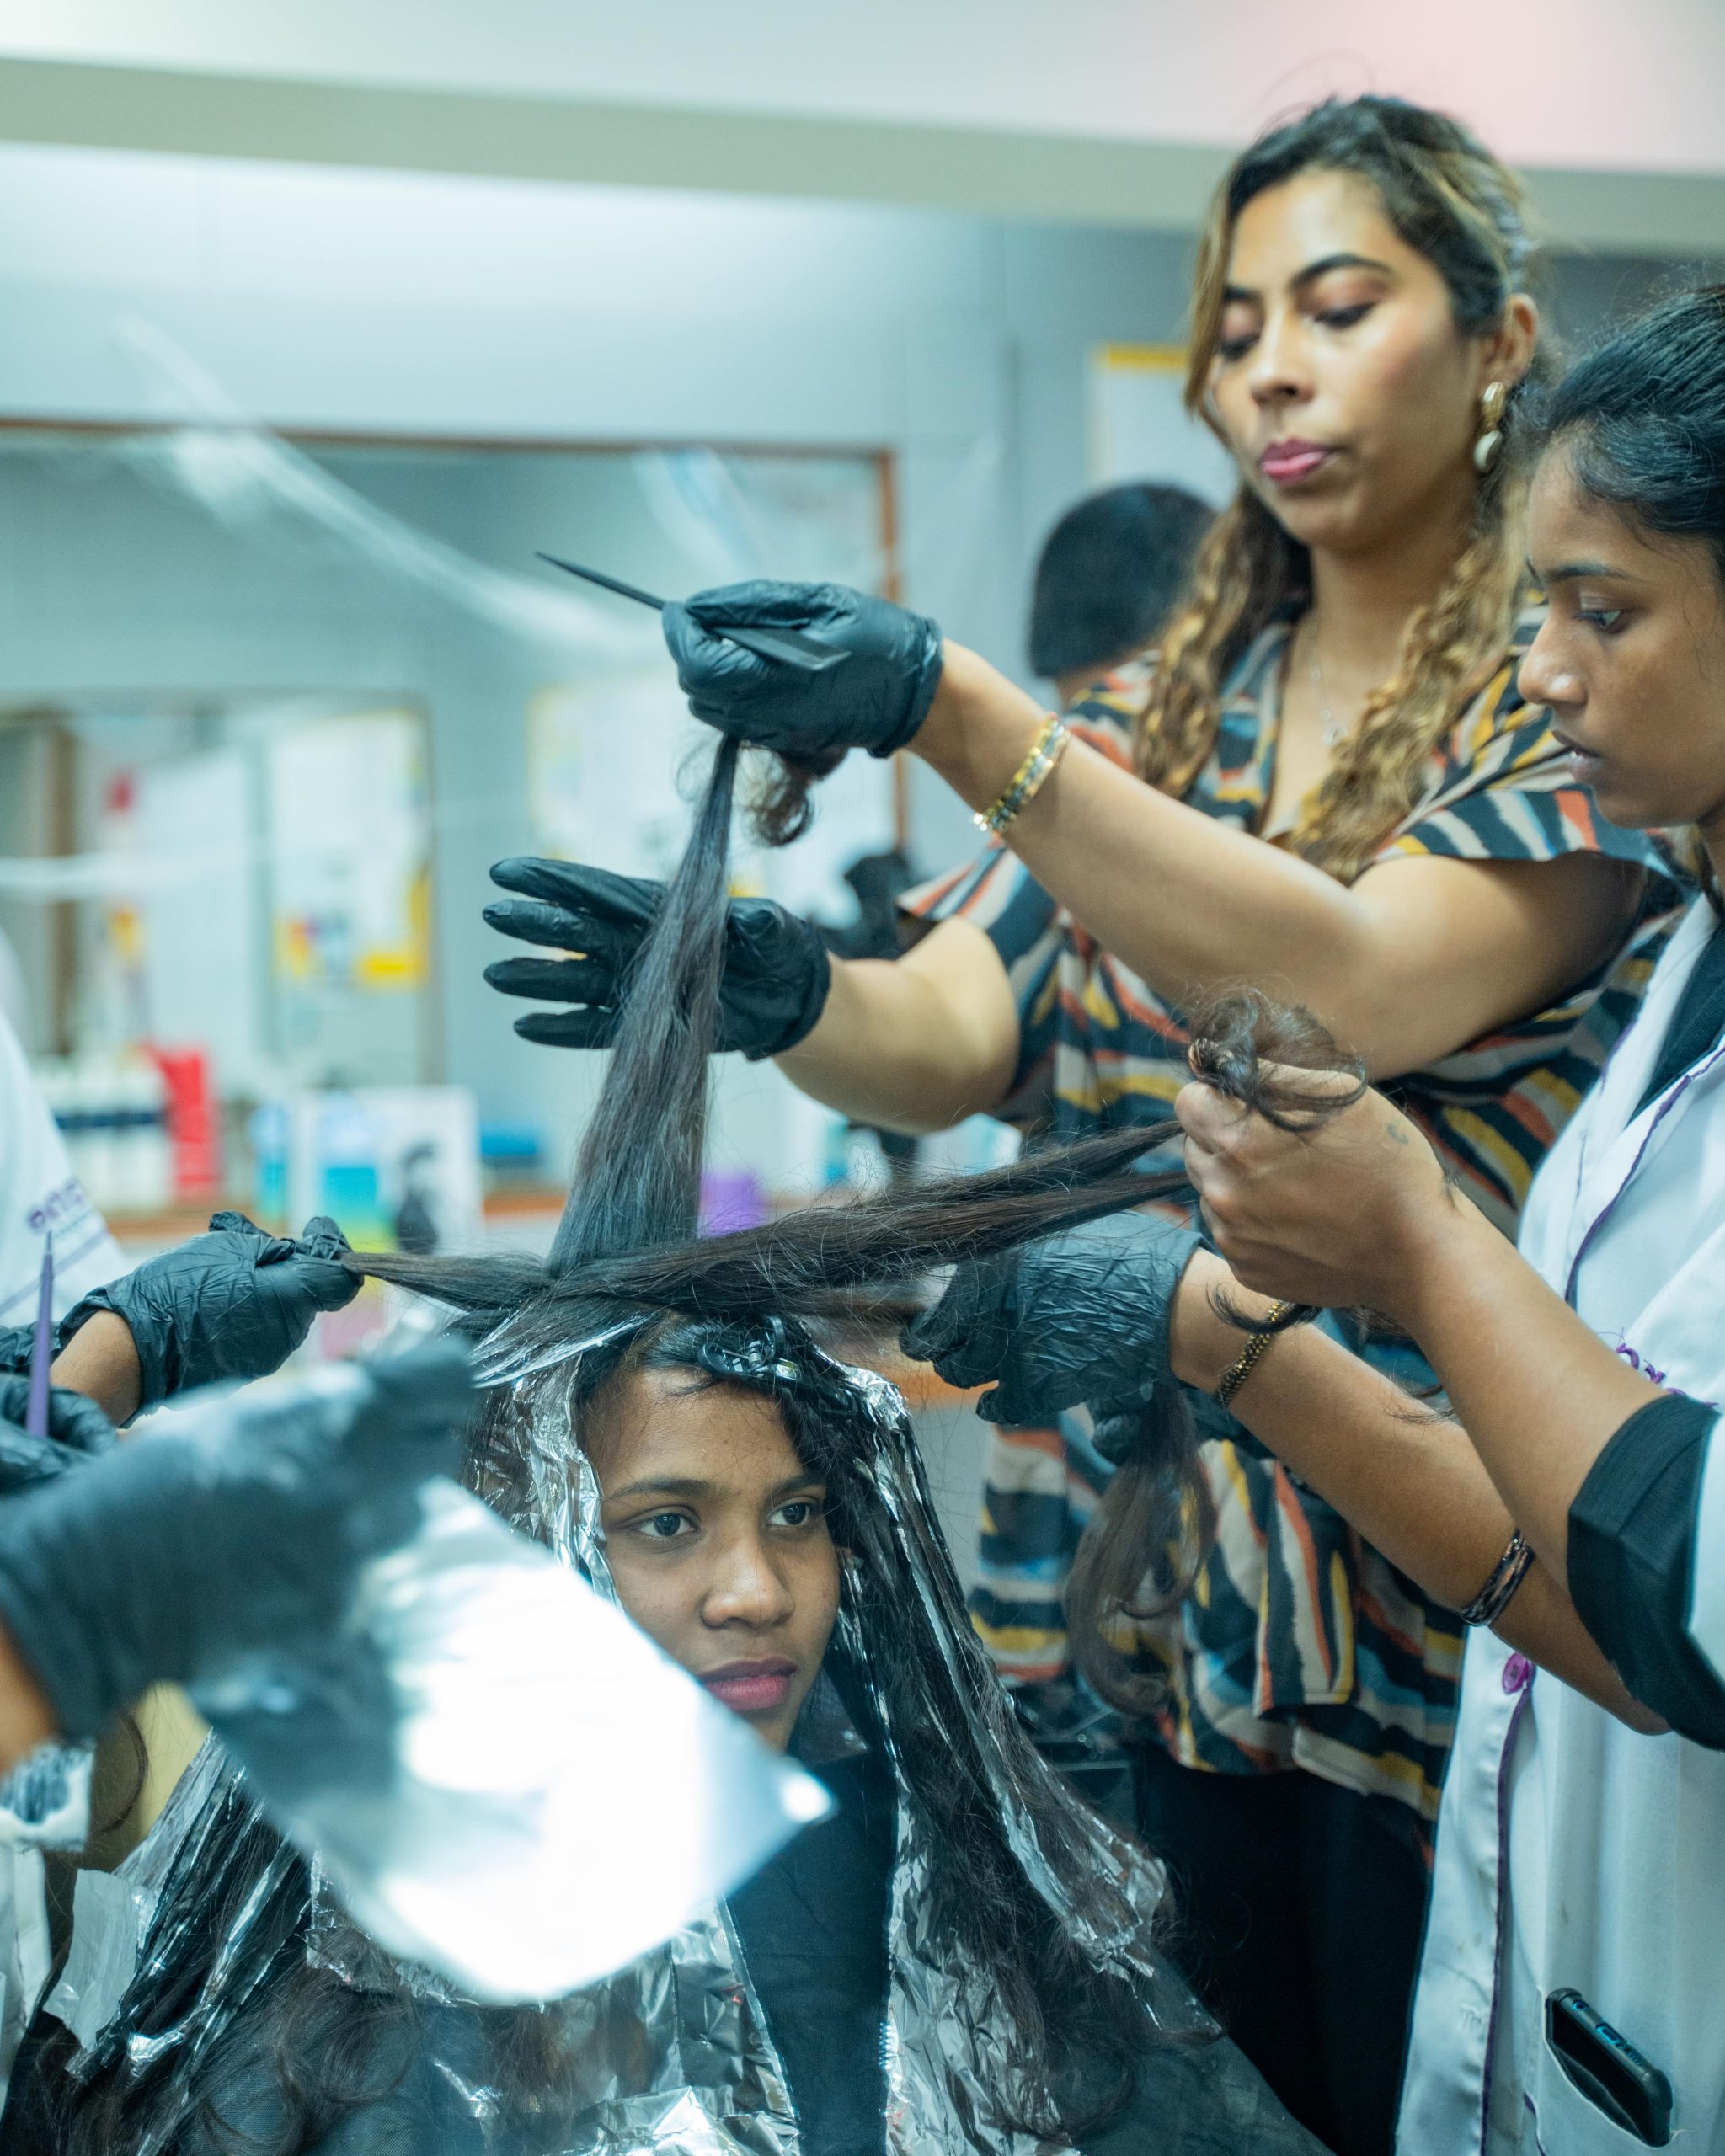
{"x":1287,"y":463}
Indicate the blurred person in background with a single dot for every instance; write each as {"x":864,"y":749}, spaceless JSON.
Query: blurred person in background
{"x":1330,"y":785}
{"x":1106,"y":579}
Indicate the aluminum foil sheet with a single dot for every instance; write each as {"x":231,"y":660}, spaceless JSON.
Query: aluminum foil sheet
{"x":492,"y":1853}
{"x":512,"y":1677}
{"x":671,"y":2055}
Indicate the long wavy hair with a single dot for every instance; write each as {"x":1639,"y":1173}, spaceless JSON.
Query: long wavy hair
{"x":1457,"y":206}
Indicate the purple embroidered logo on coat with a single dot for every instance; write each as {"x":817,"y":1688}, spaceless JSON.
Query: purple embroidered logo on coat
{"x":1654,"y":1374}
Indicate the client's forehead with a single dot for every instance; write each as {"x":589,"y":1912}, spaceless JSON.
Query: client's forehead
{"x":659,"y":1426}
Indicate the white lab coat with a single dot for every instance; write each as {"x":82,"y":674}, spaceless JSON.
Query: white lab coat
{"x":1572,"y":1851}
{"x":39,"y":1192}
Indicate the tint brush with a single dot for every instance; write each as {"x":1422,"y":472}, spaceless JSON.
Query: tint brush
{"x":787,"y":646}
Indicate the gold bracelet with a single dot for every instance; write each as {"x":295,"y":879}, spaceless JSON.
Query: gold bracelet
{"x":1250,"y":1354}
{"x":1028,"y":781}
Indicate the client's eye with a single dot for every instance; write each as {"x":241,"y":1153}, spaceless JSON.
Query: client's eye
{"x":664,"y":1527}
{"x":800,"y":1512}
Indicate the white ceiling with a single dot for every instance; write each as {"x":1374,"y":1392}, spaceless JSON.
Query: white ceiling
{"x":1114,"y":110}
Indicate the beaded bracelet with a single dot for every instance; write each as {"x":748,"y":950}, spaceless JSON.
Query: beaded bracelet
{"x":1027,"y":782}
{"x":1251,"y":1353}
{"x":1493,"y":1598}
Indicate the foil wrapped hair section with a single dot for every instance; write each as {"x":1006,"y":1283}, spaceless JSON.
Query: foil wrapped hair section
{"x":670,"y":2053}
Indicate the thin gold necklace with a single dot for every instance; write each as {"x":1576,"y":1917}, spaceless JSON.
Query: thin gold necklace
{"x":1335,"y":733}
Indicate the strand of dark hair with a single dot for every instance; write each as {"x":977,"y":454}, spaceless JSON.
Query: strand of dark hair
{"x":1145,"y":1545}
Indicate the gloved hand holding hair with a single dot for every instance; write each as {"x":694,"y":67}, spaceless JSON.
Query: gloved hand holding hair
{"x":776,"y":970}
{"x":1081,"y":1319}
{"x":241,"y":1526}
{"x":876,"y":701}
{"x":234,"y":1303}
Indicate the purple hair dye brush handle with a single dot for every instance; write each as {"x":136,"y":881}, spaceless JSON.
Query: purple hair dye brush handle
{"x":36,"y":1419}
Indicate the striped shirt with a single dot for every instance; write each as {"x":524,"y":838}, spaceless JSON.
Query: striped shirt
{"x":1300,"y":1644}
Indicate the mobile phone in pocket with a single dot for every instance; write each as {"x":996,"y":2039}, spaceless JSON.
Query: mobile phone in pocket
{"x":1607,"y":2068}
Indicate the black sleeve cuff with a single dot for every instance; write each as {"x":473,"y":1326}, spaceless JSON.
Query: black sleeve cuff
{"x":1631,"y":1562}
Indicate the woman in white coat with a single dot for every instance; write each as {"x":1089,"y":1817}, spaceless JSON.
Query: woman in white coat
{"x":1571,"y":1988}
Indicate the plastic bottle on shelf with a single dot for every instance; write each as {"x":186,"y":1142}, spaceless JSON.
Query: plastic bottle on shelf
{"x":270,"y":1134}
{"x":98,"y":1111}
{"x":54,"y":1076}
{"x":192,"y":1119}
{"x":144,"y":1180}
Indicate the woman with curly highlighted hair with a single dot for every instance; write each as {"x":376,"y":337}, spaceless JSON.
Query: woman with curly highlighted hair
{"x":1326,"y":783}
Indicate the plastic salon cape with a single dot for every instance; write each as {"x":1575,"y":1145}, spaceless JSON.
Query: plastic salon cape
{"x":674,"y":2055}
{"x":1594,"y":1855}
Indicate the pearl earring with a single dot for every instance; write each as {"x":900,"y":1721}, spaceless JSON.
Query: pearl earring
{"x":1492,"y":401}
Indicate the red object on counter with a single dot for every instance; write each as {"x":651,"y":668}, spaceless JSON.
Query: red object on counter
{"x":194,"y":1122}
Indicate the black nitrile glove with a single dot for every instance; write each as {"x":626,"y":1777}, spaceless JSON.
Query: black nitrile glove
{"x":78,"y":1430}
{"x":240,"y":1527}
{"x":1081,"y":1318}
{"x":231,"y":1304}
{"x":776,"y":970}
{"x":16,"y":1342}
{"x":875,"y":700}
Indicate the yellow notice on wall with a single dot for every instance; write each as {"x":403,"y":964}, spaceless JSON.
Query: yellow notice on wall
{"x":1139,"y":428}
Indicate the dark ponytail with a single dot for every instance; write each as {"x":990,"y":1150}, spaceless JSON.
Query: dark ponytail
{"x":1643,"y":419}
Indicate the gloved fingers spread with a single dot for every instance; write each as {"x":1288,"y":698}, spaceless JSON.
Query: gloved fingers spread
{"x":563,"y":928}
{"x":583,"y":1028}
{"x":555,"y":980}
{"x":631,"y":901}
